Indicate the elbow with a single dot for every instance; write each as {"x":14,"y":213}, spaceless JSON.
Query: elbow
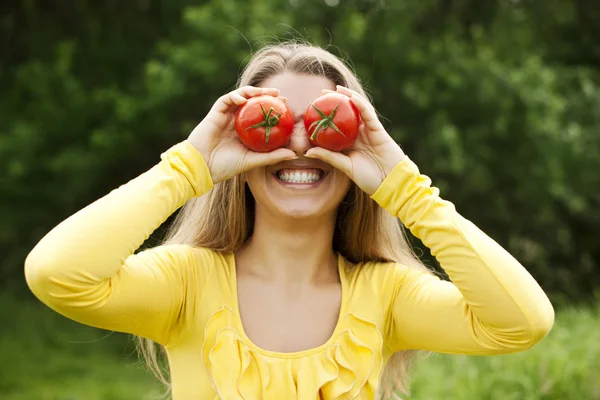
{"x":54,"y":278}
{"x":42,"y":273}
{"x":38,"y":273}
{"x":519,"y":335}
{"x":530,"y":332}
{"x":541,"y":322}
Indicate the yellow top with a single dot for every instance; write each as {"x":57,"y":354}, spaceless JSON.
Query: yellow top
{"x":186,"y":299}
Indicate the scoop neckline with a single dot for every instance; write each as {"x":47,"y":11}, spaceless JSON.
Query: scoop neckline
{"x":296,"y":354}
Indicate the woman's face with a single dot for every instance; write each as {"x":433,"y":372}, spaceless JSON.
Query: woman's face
{"x":303,"y":187}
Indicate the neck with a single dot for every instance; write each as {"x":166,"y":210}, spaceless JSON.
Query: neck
{"x":290,"y":251}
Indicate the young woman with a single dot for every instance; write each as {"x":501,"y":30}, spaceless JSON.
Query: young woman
{"x":267,"y":289}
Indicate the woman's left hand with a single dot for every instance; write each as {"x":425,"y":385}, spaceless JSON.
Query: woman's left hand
{"x":374,"y":154}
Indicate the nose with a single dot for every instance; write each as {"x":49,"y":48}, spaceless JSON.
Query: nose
{"x":299,"y":142}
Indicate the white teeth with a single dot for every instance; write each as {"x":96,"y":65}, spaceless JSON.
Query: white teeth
{"x":299,"y":177}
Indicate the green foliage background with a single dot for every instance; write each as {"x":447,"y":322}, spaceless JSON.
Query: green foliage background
{"x":498,"y":101}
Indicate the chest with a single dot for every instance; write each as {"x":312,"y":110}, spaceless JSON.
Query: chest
{"x":288,"y":319}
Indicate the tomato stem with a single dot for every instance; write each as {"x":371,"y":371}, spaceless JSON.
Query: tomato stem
{"x":324,"y":123}
{"x":268,"y":122}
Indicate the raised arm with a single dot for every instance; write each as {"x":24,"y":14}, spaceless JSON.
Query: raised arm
{"x":85,"y":268}
{"x":493,"y":305}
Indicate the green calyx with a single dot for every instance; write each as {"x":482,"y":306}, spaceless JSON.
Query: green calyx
{"x":324,"y":123}
{"x":271,"y":119}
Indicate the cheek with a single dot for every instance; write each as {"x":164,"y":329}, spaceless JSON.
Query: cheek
{"x":255,"y":179}
{"x":342,"y":183}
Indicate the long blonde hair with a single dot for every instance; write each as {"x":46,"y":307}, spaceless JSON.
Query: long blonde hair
{"x":223,"y":219}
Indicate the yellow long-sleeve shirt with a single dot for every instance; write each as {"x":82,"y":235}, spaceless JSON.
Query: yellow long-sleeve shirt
{"x":186,"y":298}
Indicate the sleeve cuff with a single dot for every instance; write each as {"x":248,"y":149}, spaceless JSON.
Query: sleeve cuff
{"x":184,"y":158}
{"x":395,"y":190}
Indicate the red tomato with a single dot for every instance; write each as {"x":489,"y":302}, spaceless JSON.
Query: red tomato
{"x":264,"y":123}
{"x":332,"y":122}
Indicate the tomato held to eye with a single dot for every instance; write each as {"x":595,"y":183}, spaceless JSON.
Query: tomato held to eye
{"x":332,"y":122}
{"x":264,"y":123}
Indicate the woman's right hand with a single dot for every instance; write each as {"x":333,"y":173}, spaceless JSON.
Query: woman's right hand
{"x":217,"y":141}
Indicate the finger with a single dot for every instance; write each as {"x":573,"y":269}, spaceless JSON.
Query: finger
{"x":367,"y":113}
{"x":227,"y":101}
{"x":327,"y":91}
{"x":344,"y":90}
{"x":349,"y":92}
{"x":335,"y":159}
{"x":354,"y":94}
{"x":255,"y":159}
{"x":240,"y":96}
{"x":223,"y":103}
{"x":237,"y":99}
{"x":284,"y":99}
{"x":252,"y":91}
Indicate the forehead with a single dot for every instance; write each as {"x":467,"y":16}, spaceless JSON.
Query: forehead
{"x":300,"y":89}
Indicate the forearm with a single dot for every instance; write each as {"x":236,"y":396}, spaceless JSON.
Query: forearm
{"x":496,"y":288}
{"x":91,"y":245}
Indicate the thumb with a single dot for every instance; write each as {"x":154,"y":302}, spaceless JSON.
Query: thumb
{"x":334,"y":158}
{"x":255,"y":159}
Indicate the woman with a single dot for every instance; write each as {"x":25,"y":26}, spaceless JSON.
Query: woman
{"x":272,"y":290}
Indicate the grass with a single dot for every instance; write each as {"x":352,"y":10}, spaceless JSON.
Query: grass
{"x":47,"y":357}
{"x":563,"y":366}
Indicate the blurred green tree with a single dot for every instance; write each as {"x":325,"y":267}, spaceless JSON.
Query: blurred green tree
{"x":498,"y":101}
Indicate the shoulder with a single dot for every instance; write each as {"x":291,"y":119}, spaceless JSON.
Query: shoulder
{"x":385,"y":279}
{"x":373,"y":280}
{"x":386,"y":273}
{"x":372,"y":289}
{"x":201,"y":270}
{"x":180,"y":257}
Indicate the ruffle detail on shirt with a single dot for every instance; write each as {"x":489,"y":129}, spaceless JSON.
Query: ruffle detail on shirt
{"x":236,"y":371}
{"x":347,"y":368}
{"x":351,"y":365}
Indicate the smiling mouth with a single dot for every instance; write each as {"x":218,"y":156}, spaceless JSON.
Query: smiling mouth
{"x":302,"y":176}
